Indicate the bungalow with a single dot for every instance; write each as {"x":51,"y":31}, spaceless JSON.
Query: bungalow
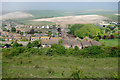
{"x":85,"y":43}
{"x":43,"y":27}
{"x":10,"y":38}
{"x":2,"y":38}
{"x":17,"y":38}
{"x":47,"y":27}
{"x":45,"y":37}
{"x":26,"y":38}
{"x":31,"y":26}
{"x":16,"y":35}
{"x":34,"y":38}
{"x":69,"y":43}
{"x":29,"y":35}
{"x":87,"y":38}
{"x":95,"y":43}
{"x":48,"y":43}
{"x":4,"y":33}
{"x":78,"y":38}
{"x":37,"y":35}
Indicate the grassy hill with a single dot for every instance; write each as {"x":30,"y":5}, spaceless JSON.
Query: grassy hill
{"x":58,"y":67}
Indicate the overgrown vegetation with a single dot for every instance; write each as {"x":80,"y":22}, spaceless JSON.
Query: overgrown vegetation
{"x":94,"y":32}
{"x":32,"y":48}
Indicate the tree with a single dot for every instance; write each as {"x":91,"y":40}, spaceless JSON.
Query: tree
{"x":31,"y":31}
{"x":60,"y":41}
{"x":89,"y":30}
{"x":76,"y":48}
{"x":49,"y":33}
{"x":104,"y":37}
{"x":54,"y":25}
{"x":75,"y":27}
{"x":7,"y":45}
{"x":111,"y":36}
{"x":13,"y":29}
{"x":59,"y":30}
{"x":59,"y":25}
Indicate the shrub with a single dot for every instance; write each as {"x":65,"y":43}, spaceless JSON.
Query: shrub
{"x":7,"y":45}
{"x":77,"y":74}
{"x":59,"y":48}
{"x":29,"y":45}
{"x":50,"y":52}
{"x":93,"y":50}
{"x":16,"y":45}
{"x":76,"y":48}
{"x":50,"y":71}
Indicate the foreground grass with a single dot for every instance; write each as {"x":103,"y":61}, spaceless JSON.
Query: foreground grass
{"x":109,"y":42}
{"x":0,"y":63}
{"x":58,"y":67}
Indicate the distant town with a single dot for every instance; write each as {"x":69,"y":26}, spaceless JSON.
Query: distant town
{"x":47,"y":35}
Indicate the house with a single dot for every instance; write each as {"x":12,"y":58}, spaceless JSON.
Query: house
{"x":11,"y":35}
{"x":16,"y":35}
{"x":17,"y":38}
{"x":43,"y":27}
{"x":37,"y":35}
{"x":31,"y":26}
{"x":26,"y":38}
{"x":104,"y":24}
{"x":78,"y":38}
{"x":85,"y":43}
{"x":45,"y":37}
{"x":47,"y":27}
{"x":48,"y":43}
{"x":4,"y":33}
{"x":71,"y":43}
{"x":2,"y":38}
{"x":34,"y":38}
{"x":56,"y":38}
{"x":28,"y":35}
{"x":87,"y":38}
{"x":95,"y":43}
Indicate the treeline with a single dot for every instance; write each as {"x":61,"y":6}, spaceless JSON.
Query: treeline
{"x":91,"y":51}
{"x":94,"y":32}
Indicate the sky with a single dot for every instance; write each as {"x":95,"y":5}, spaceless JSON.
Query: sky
{"x":60,"y":0}
{"x":18,"y":6}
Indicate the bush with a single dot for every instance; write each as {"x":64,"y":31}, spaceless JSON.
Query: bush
{"x":93,"y":50}
{"x":16,"y":45}
{"x":77,"y":74}
{"x":7,"y":45}
{"x":50,"y":52}
{"x":13,"y":51}
{"x":50,"y":71}
{"x":59,"y":48}
{"x":29,"y":45}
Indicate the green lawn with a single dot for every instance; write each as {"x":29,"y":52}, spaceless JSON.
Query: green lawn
{"x":109,"y":42}
{"x":38,"y":66}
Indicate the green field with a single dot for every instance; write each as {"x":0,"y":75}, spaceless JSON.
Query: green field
{"x":109,"y":42}
{"x":37,"y":66}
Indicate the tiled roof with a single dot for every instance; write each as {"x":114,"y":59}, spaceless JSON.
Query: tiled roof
{"x":48,"y":42}
{"x":95,"y":43}
{"x":71,"y":42}
{"x":85,"y":43}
